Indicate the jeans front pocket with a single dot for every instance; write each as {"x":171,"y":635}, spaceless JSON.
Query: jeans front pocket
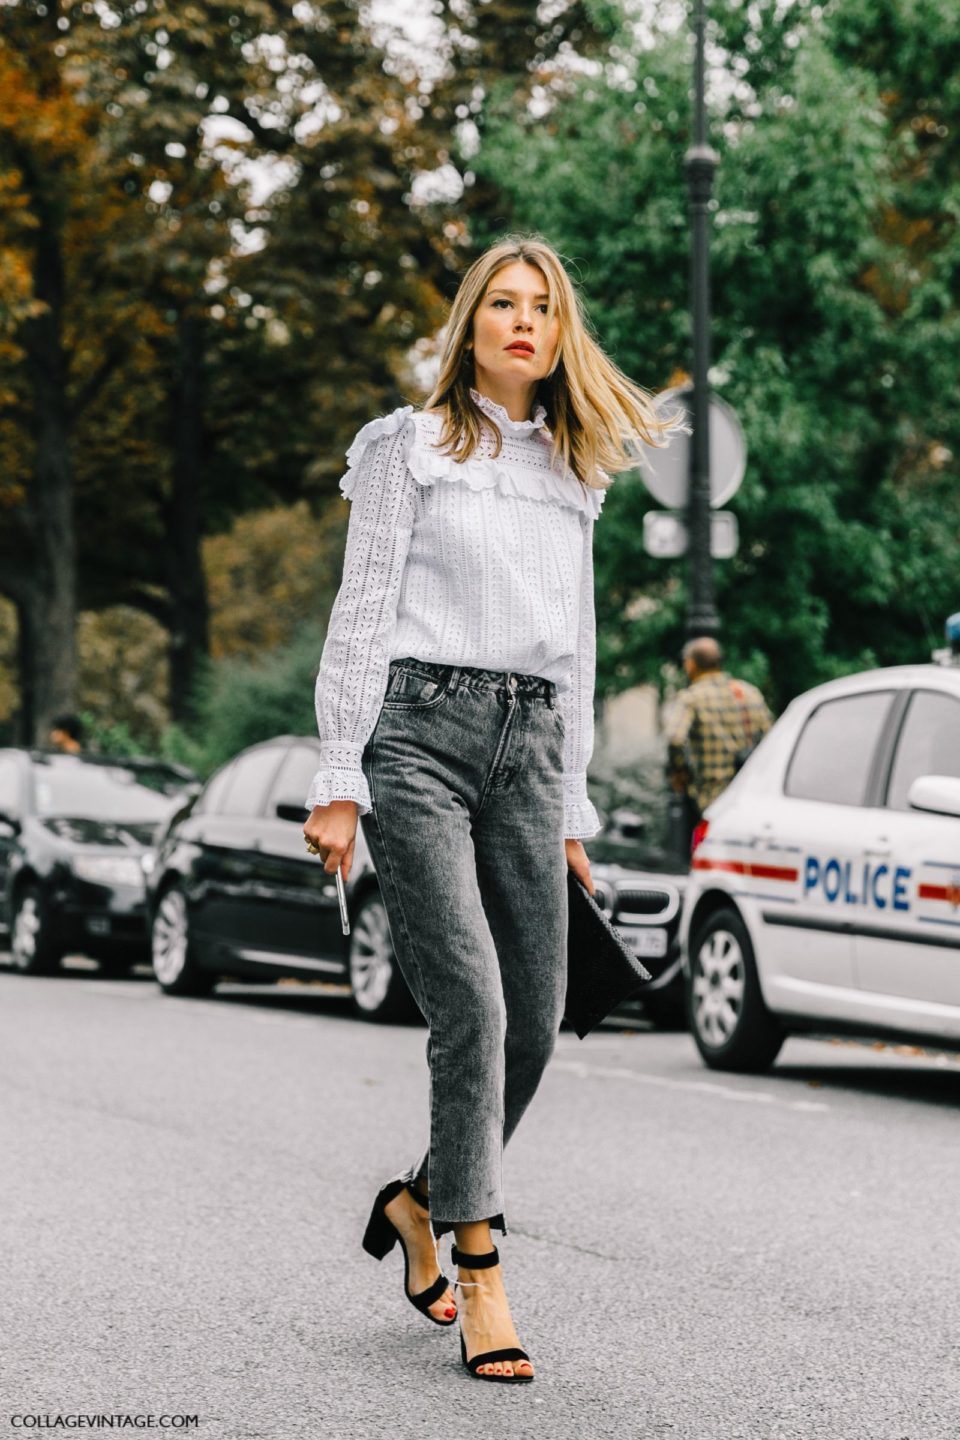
{"x":412,"y":690}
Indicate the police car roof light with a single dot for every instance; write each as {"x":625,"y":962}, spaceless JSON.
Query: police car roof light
{"x":950,"y":655}
{"x":952,"y":631}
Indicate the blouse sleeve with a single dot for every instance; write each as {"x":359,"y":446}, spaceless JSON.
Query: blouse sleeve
{"x":580,"y":819}
{"x":352,"y":678}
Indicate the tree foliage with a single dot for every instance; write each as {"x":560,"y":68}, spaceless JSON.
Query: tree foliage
{"x":174,"y":350}
{"x":239,"y":701}
{"x":834,"y":278}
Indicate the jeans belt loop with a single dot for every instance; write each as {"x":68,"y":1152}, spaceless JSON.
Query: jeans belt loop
{"x":453,"y":680}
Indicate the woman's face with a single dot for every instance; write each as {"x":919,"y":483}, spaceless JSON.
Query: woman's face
{"x":511,"y":342}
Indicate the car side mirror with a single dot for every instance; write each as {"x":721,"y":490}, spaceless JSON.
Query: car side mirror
{"x":296,"y":813}
{"x":626,"y":824}
{"x":938,"y":794}
{"x":9,"y":826}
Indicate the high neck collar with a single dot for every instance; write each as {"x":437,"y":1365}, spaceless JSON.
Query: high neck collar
{"x":498,"y":413}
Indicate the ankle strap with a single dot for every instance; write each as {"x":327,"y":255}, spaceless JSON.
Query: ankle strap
{"x":420,"y":1198}
{"x":475,"y":1262}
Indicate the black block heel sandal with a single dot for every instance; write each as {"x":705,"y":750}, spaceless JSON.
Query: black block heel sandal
{"x":490,"y":1357}
{"x":380,"y":1237}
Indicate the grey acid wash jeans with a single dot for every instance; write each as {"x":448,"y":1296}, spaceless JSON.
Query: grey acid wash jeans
{"x":465,"y":771}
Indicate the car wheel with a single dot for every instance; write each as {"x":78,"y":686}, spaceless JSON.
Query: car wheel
{"x":171,"y":952}
{"x":379,"y":990}
{"x":731,"y":1025}
{"x":32,"y":948}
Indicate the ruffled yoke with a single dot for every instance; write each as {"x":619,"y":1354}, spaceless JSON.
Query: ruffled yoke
{"x":526,"y":470}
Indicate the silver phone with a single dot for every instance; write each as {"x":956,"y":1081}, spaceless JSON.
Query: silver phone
{"x":342,"y":897}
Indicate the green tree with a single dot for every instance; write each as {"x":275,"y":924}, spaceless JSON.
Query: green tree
{"x":834,"y":275}
{"x":239,"y":701}
{"x":176,"y":349}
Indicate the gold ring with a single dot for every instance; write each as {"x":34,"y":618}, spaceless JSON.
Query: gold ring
{"x":313,"y":849}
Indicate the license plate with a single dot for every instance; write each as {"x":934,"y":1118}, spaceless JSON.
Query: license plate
{"x":651,"y":944}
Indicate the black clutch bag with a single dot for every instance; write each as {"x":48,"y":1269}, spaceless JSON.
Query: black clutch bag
{"x":601,"y":969}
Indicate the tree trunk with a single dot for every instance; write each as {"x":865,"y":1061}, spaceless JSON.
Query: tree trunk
{"x":48,"y":603}
{"x":186,"y":581}
{"x":23,"y":721}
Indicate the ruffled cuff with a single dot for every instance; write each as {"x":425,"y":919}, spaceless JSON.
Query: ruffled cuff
{"x":580,"y":819}
{"x":340,"y":777}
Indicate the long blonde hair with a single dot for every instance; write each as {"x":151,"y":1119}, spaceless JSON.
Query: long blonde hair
{"x":596,"y":414}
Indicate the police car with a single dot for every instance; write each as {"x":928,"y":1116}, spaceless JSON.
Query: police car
{"x":824,"y":891}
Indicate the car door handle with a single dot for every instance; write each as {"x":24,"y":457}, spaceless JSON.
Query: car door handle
{"x":879,"y":852}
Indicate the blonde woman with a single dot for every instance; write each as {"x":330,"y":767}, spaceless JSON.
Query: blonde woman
{"x":455,"y":708}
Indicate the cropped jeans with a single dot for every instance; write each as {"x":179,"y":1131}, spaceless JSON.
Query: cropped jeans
{"x":465,"y":772}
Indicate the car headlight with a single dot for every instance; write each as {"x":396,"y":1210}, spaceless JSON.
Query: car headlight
{"x":109,"y":870}
{"x":148,"y":861}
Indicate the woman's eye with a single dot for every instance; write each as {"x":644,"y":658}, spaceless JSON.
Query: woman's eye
{"x":542,"y":305}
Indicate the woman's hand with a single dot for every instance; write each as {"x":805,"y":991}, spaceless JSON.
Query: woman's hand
{"x":333,"y":829}
{"x":578,"y":862}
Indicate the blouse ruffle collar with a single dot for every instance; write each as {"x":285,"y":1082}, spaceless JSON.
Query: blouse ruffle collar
{"x":498,"y":413}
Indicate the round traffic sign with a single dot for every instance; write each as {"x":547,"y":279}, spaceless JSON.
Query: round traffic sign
{"x":666,"y":471}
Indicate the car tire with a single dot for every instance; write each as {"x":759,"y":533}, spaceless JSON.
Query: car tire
{"x":380,"y":992}
{"x":171,"y":953}
{"x":33,"y":950}
{"x":729,"y":1021}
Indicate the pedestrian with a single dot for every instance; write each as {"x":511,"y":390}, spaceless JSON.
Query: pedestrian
{"x":66,"y":734}
{"x":455,"y":709}
{"x":716,"y":722}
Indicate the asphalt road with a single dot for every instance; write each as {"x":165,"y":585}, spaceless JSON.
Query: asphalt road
{"x":691,"y":1256}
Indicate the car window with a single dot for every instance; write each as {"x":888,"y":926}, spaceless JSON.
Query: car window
{"x":249,"y":780}
{"x":835,"y":752}
{"x":208,"y":802}
{"x":300,"y":765}
{"x":69,"y":788}
{"x":165,"y":779}
{"x":929,"y":744}
{"x":9,"y":787}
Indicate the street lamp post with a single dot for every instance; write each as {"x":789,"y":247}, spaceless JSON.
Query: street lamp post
{"x":701,"y":162}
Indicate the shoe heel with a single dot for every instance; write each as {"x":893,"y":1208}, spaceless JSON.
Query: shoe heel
{"x":380,"y":1235}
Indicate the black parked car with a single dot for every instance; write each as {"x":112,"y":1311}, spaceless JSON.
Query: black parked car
{"x":640,"y":884}
{"x":76,"y":836}
{"x":234,"y":893}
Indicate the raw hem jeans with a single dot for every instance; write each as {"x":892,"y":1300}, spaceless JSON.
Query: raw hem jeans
{"x":465,"y":770}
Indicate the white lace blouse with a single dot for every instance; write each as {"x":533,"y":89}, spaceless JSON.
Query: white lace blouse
{"x":486,"y":563}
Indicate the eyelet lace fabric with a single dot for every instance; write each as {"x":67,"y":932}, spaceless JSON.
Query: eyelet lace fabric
{"x":486,"y":563}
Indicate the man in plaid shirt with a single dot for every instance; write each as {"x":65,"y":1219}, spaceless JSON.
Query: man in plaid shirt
{"x":714,"y":722}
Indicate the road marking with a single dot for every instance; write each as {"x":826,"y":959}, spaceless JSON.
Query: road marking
{"x":705,"y":1087}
